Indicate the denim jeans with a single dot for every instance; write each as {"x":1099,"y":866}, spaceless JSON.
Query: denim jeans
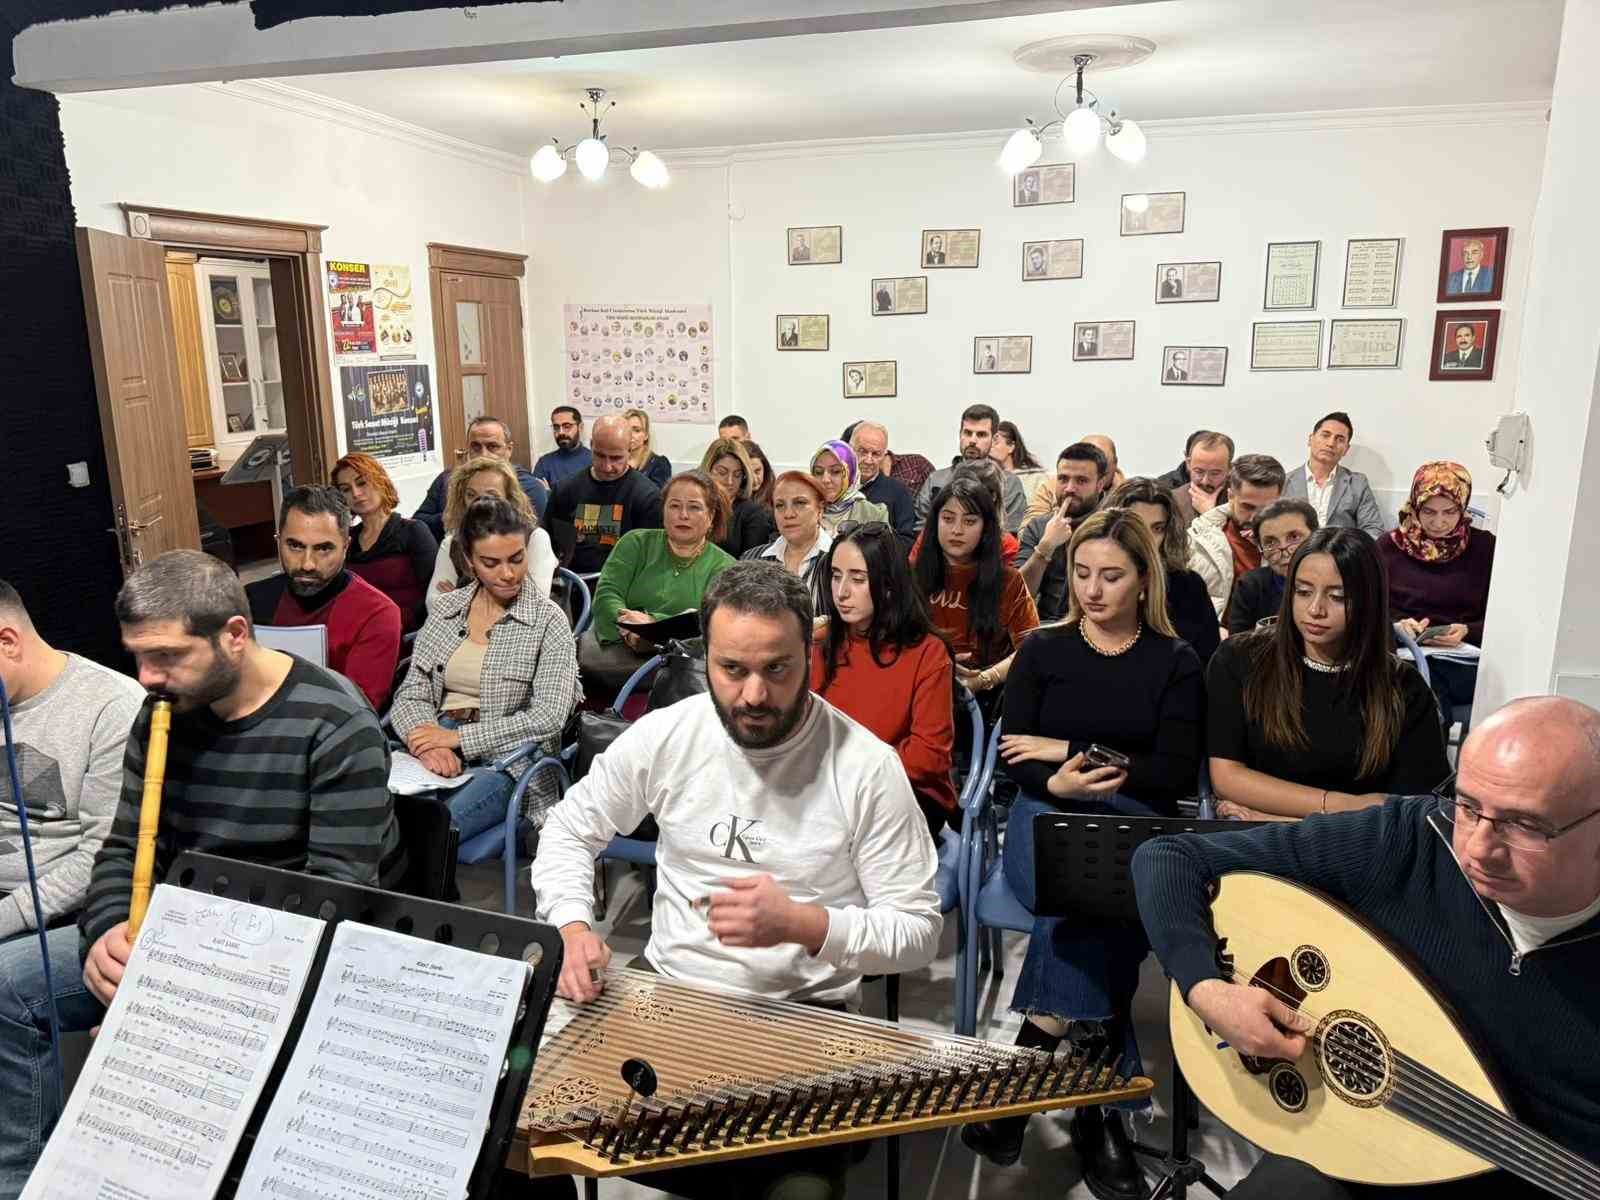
{"x":481,"y":801}
{"x":29,"y":1098}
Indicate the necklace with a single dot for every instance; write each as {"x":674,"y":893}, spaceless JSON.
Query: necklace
{"x":1325,"y":668}
{"x":1083,"y":628}
{"x":682,"y":562}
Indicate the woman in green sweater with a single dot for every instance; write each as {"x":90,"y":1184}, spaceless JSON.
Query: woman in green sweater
{"x":652,"y":574}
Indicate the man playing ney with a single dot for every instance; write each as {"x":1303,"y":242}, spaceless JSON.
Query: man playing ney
{"x":793,"y":858}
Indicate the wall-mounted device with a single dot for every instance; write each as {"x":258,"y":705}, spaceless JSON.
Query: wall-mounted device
{"x":1508,"y":445}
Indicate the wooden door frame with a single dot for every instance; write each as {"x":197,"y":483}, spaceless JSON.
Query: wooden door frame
{"x":308,"y":407}
{"x":467,"y":260}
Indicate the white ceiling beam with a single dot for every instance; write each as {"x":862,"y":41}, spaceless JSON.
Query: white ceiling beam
{"x":221,"y":43}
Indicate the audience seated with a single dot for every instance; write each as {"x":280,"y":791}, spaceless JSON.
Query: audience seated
{"x":493,"y":668}
{"x":1206,"y":464}
{"x":834,"y":468}
{"x":1106,"y":446}
{"x":1220,"y":549}
{"x":1341,"y":497}
{"x":762,"y":477}
{"x":1113,"y":675}
{"x":802,"y":541}
{"x":750,"y":523}
{"x":869,"y":442}
{"x":486,"y":438}
{"x":314,"y":588}
{"x":1081,"y":478}
{"x":1278,"y":529}
{"x":480,"y":479}
{"x":1188,"y":605}
{"x":987,"y":472}
{"x":1179,"y":475}
{"x":1438,"y":567}
{"x":734,"y":427}
{"x":591,"y":510}
{"x":978,"y":424}
{"x":881,"y":663}
{"x":980,"y":605}
{"x":1011,"y":452}
{"x":1315,"y":713}
{"x":641,"y":454}
{"x":653,"y":574}
{"x":570,"y":455}
{"x":393,"y":553}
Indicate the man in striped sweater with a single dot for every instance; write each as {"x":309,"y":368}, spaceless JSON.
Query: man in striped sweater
{"x":271,"y":760}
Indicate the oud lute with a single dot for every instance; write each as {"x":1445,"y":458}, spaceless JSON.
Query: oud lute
{"x":1389,"y":1090}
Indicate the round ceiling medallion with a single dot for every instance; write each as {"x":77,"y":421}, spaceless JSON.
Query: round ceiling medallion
{"x":1053,"y":56}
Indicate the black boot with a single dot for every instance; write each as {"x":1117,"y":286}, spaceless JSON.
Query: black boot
{"x":1000,"y":1141}
{"x":1110,"y":1167}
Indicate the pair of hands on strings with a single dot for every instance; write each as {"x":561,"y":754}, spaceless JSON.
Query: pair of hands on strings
{"x":1072,"y":780}
{"x":435,"y":747}
{"x":1453,"y":635}
{"x":1250,"y":1019}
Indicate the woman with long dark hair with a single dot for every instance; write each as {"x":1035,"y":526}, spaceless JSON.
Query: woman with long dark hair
{"x":881,"y":662}
{"x":981,"y":606}
{"x":762,"y":480}
{"x":1188,"y":603}
{"x":1316,"y":714}
{"x":1010,"y":452}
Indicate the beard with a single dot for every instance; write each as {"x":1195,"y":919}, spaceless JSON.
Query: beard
{"x":785,"y":722}
{"x":309,"y":585}
{"x":566,"y":441}
{"x":221,"y":677}
{"x":1081,"y":506}
{"x":972,"y":451}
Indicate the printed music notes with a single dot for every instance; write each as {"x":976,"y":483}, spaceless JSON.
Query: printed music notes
{"x":389,"y":1089}
{"x":183,"y":1053}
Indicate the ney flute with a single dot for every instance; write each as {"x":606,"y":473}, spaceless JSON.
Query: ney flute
{"x":144,"y":855}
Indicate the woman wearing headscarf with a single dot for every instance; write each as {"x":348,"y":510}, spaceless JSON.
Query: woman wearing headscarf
{"x":834,"y":467}
{"x":1438,"y":567}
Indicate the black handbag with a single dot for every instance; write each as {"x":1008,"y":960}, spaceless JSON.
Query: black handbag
{"x":681,"y":675}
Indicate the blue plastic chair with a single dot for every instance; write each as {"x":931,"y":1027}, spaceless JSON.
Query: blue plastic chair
{"x":949,"y":879}
{"x":1405,"y":641}
{"x":637,"y":851}
{"x":501,"y":840}
{"x":576,"y":586}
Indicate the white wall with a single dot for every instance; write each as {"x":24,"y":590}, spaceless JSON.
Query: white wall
{"x":717,"y":234}
{"x":264,"y":153}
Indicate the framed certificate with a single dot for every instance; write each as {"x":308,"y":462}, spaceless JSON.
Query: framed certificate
{"x":950,"y":247}
{"x":1371,"y":273}
{"x":1368,"y":343}
{"x":1152,"y":212}
{"x":870,"y":378}
{"x":902,"y":296}
{"x":1047,"y":183}
{"x":1102,"y":341}
{"x":1003,"y":355}
{"x":1291,"y":275}
{"x":1194,"y":366}
{"x":1061,"y":259}
{"x":1464,"y":343}
{"x":802,"y":331}
{"x":1188,"y":283}
{"x":816,"y":245}
{"x":1286,"y":346}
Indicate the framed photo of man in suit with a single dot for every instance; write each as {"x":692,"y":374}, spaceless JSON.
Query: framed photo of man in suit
{"x":1194,"y":366}
{"x":1188,"y":282}
{"x":802,"y":331}
{"x":1464,"y":343}
{"x":950,"y":248}
{"x":1472,"y":265}
{"x":816,"y":245}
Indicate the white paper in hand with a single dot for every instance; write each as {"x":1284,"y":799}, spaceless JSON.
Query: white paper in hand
{"x":408,"y":777}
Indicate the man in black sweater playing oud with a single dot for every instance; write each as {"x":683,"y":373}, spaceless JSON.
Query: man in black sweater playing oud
{"x":1495,"y":895}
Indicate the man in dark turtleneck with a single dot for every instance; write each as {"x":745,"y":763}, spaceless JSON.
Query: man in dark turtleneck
{"x":314,"y":589}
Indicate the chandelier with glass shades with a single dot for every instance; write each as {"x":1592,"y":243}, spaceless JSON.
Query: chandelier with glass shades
{"x":1081,"y":129}
{"x":593,"y":153}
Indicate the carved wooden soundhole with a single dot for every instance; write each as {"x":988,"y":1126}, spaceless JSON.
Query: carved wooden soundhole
{"x":1288,"y":1088}
{"x":851,"y":1049}
{"x":557,"y":1105}
{"x":1310,"y":967}
{"x":1354,"y":1058}
{"x":645,"y":1007}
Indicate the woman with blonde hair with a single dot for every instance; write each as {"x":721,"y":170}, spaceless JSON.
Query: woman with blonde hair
{"x":1188,"y":604}
{"x":750,"y":524}
{"x":641,"y":455}
{"x":393,"y":553}
{"x":473,"y":480}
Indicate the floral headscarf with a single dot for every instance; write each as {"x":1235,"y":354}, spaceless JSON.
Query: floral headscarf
{"x":1442,"y":478}
{"x":851,"y":492}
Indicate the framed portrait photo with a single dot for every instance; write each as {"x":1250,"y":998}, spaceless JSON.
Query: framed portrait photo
{"x":1194,"y":366}
{"x":802,"y":331}
{"x":1291,"y":275}
{"x":1472,"y":264}
{"x":1152,"y":212}
{"x":1059,"y":259}
{"x":231,"y":365}
{"x":1002,"y":355}
{"x":950,"y":247}
{"x":1365,"y":343}
{"x":1047,"y":183}
{"x":1286,"y":346}
{"x":902,"y":296}
{"x":1102,"y":341}
{"x":871,"y":378}
{"x":1188,"y":282}
{"x":816,"y":245}
{"x":1464,"y":342}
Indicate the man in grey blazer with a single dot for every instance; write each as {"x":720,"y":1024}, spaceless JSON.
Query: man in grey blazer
{"x":1342,"y":497}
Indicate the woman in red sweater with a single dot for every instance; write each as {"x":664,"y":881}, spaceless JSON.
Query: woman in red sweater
{"x":881,"y":663}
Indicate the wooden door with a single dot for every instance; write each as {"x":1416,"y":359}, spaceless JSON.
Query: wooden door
{"x":141,"y":404}
{"x":186,"y":330}
{"x":483,"y":360}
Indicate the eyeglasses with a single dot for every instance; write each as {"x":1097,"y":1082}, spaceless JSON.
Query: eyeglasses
{"x":1284,"y":548}
{"x":1517,"y":833}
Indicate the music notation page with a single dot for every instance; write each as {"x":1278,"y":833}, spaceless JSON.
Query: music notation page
{"x":183,"y":1053}
{"x":388,"y":1092}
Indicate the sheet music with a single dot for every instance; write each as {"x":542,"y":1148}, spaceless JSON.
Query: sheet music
{"x":408,"y":777}
{"x":185,"y":1048}
{"x":388,"y":1092}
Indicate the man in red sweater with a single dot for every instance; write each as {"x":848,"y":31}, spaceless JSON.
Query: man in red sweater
{"x":314,"y":589}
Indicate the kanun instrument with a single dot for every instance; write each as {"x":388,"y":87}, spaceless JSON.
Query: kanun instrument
{"x":726,"y":1075}
{"x":1385,"y":1062}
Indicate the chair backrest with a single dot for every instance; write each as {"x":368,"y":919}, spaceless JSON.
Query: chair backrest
{"x":646,"y":669}
{"x":431,"y":842}
{"x":1405,"y":641}
{"x":571,"y":593}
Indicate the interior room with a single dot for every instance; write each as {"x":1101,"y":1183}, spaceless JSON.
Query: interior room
{"x":300,"y":239}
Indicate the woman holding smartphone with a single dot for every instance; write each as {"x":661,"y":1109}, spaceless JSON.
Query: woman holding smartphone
{"x":1103,"y":713}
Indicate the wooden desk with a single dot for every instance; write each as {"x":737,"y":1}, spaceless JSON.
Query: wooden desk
{"x":244,"y":509}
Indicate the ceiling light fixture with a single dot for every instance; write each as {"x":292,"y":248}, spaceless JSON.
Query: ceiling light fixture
{"x":593,"y":153}
{"x":1081,"y":129}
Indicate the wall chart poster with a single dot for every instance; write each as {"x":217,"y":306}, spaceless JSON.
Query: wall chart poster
{"x":657,"y":357}
{"x":391,"y":305}
{"x":350,"y":308}
{"x":388,"y":411}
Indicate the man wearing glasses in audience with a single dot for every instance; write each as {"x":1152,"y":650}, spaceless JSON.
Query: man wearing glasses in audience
{"x":1278,"y":529}
{"x":1208,"y":460}
{"x":1492,"y":887}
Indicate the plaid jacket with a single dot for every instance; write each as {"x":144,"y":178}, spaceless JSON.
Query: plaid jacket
{"x":526,"y":693}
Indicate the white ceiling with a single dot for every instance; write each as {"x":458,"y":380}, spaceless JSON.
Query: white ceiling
{"x":1213,"y":58}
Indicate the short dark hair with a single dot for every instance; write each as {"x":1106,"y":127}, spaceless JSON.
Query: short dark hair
{"x":1287,"y":506}
{"x":980,"y":412}
{"x":734,"y":419}
{"x":566,"y":408}
{"x":490,"y":516}
{"x":1259,"y":470}
{"x":1188,"y":446}
{"x":187,"y":586}
{"x":316,"y":500}
{"x":849,"y":432}
{"x":761,"y":587}
{"x":1085,"y":452}
{"x":11,"y":604}
{"x":987,"y":472}
{"x":1207,"y":439}
{"x":486,"y":419}
{"x":1342,"y":417}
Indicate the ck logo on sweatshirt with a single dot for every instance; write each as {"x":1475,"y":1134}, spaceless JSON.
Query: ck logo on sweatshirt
{"x":737,"y":834}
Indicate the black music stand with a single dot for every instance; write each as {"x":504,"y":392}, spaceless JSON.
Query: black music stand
{"x":489,"y":932}
{"x":1081,"y":867}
